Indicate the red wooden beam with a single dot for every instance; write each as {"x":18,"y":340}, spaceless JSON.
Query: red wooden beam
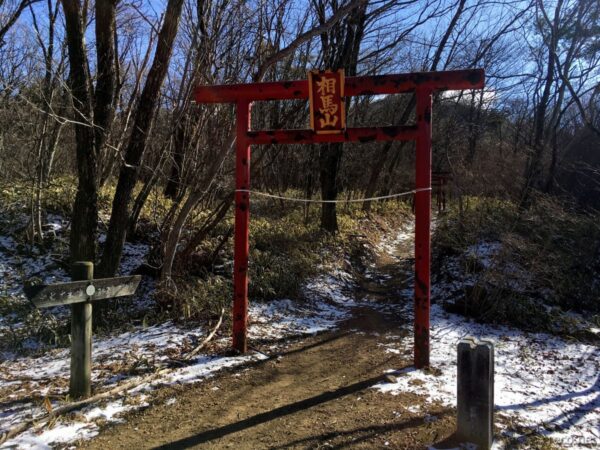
{"x":242,"y":221}
{"x":365,"y":85}
{"x":396,"y":133}
{"x":422,"y":229}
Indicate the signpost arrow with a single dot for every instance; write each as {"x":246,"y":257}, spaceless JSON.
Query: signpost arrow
{"x":80,"y":294}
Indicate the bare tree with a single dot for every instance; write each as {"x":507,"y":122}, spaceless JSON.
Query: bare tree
{"x":565,"y":37}
{"x":340,"y":50}
{"x":408,"y":108}
{"x":52,"y":122}
{"x":203,"y":186}
{"x":85,"y":208}
{"x":142,"y":124}
{"x":10,"y":11}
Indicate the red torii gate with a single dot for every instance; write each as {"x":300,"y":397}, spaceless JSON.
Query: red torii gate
{"x":423,"y":84}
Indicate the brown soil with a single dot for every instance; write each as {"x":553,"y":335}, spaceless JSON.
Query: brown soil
{"x":315,"y":394}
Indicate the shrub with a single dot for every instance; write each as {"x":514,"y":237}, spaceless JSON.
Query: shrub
{"x":546,"y":256}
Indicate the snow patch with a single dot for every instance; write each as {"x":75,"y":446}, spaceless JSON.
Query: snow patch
{"x":389,"y":245}
{"x":61,"y":433}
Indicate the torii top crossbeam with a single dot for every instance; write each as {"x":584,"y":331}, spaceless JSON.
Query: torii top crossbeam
{"x":367,"y":85}
{"x":327,"y":113}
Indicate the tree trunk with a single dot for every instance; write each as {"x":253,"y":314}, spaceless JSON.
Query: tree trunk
{"x":209,"y":225}
{"x":119,"y":219}
{"x":344,"y":55}
{"x":474,"y":126}
{"x":90,"y":135}
{"x":534,"y":169}
{"x":106,"y":76}
{"x":85,"y":209}
{"x":179,"y":147}
{"x":553,"y":163}
{"x":330,"y":158}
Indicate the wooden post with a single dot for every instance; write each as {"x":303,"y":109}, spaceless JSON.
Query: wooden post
{"x":242,"y":221}
{"x":475,"y":392}
{"x":422,"y":229}
{"x":80,"y":385}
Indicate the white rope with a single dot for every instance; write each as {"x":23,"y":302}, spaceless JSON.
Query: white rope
{"x":356,"y":200}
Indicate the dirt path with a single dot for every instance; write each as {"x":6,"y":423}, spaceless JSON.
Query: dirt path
{"x":314,"y":393}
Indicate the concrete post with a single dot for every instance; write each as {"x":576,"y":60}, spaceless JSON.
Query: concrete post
{"x":80,"y":385}
{"x":475,"y":392}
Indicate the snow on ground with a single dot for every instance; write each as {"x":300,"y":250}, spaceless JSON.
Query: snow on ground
{"x":84,"y":425}
{"x":281,"y":318}
{"x":28,"y":383}
{"x":494,"y":267}
{"x":390,"y":244}
{"x":18,"y":266}
{"x":543,"y":384}
{"x":20,"y":263}
{"x":328,"y":302}
{"x":485,"y":252}
{"x":147,"y":350}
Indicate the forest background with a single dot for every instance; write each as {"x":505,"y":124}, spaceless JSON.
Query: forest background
{"x":98,"y":127}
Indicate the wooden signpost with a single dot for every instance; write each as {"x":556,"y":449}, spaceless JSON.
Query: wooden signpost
{"x":80,"y":294}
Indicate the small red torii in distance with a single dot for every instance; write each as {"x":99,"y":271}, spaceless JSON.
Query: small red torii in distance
{"x":423,"y":84}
